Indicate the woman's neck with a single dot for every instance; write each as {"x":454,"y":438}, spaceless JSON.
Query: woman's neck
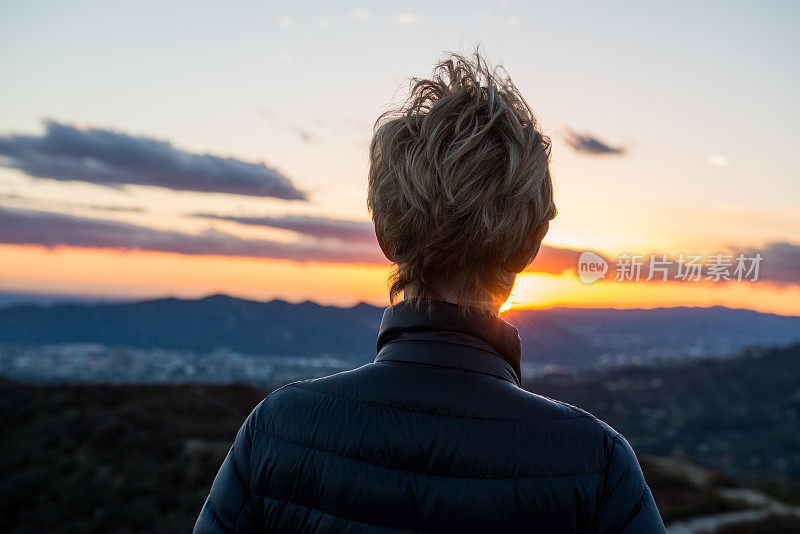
{"x":484,"y":302}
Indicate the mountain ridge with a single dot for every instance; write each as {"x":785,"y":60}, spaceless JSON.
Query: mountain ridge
{"x":556,"y":336}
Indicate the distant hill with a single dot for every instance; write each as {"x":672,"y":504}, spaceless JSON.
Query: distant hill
{"x":275,"y":327}
{"x":10,"y":298}
{"x":679,"y":331}
{"x":559,"y":336}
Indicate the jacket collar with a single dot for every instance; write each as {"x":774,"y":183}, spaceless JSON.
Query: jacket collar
{"x":492,"y":346}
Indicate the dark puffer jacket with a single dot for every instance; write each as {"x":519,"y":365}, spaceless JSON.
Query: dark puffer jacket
{"x":436,"y":436}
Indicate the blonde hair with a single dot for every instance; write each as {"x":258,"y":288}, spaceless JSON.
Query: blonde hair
{"x":459,"y":178}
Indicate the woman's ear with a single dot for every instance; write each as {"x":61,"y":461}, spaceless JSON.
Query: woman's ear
{"x":529,"y":250}
{"x":384,"y":247}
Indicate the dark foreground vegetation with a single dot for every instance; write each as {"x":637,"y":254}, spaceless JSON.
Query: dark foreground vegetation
{"x":112,"y":458}
{"x":99,"y":458}
{"x":739,"y":414}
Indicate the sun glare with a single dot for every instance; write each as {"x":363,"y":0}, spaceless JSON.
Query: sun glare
{"x":513,"y":298}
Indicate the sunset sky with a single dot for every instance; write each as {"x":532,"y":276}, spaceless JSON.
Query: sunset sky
{"x":184,"y":148}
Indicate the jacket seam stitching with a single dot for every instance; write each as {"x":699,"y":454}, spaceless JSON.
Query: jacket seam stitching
{"x":636,"y":509}
{"x":614,"y":442}
{"x":438,"y":414}
{"x":245,"y":497}
{"x":213,"y":512}
{"x":603,"y":497}
{"x":485,"y":373}
{"x":239,"y":514}
{"x":490,"y":349}
{"x":365,"y":461}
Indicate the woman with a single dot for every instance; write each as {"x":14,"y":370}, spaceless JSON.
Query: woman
{"x":436,"y":434}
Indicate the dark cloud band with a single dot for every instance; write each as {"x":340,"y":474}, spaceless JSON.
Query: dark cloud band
{"x":53,"y":230}
{"x":589,"y":144}
{"x":331,"y":240}
{"x":318,"y":227}
{"x":116,"y":159}
{"x":779,"y":264}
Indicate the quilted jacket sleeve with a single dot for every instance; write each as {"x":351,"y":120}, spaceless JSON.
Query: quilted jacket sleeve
{"x":228,"y":507}
{"x":626,"y":505}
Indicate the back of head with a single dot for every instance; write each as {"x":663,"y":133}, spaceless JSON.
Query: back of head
{"x":459,"y":178}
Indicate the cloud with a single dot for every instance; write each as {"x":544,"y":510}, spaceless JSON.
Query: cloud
{"x":317,"y":227}
{"x":717,"y":160}
{"x":406,"y":18}
{"x":54,"y":229}
{"x":68,"y":205}
{"x":360,"y":14}
{"x":101,"y":207}
{"x":305,"y":135}
{"x":589,"y":144}
{"x":781,"y":263}
{"x":285,"y":22}
{"x":555,"y":260}
{"x":115,"y":159}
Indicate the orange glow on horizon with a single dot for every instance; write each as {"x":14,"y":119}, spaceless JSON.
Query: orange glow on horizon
{"x":144,"y":274}
{"x":102,"y":272}
{"x":547,"y":291}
